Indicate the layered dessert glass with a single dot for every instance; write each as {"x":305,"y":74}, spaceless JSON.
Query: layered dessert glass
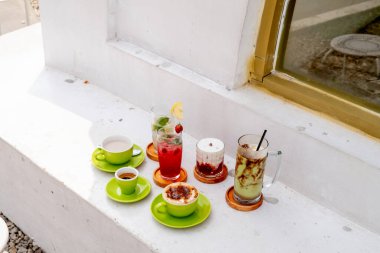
{"x":210,"y":157}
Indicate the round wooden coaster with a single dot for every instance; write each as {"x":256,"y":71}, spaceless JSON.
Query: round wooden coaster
{"x":151,"y":153}
{"x":212,"y":180}
{"x":158,"y":180}
{"x":236,"y":205}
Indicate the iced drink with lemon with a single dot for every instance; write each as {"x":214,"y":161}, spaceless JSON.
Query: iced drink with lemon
{"x":165,"y":118}
{"x":159,"y":122}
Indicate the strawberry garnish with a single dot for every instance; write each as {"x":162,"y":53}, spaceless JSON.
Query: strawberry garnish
{"x":178,"y":128}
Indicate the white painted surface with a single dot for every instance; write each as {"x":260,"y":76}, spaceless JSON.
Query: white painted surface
{"x":181,"y":31}
{"x":49,"y":128}
{"x":321,"y":157}
{"x":4,"y":233}
{"x":247,"y":42}
{"x":203,"y":35}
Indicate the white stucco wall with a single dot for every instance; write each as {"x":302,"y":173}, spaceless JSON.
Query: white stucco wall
{"x":183,"y":32}
{"x":203,"y":35}
{"x":321,"y":158}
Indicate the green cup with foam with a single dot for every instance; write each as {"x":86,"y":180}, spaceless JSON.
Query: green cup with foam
{"x":179,"y":200}
{"x":117,"y":149}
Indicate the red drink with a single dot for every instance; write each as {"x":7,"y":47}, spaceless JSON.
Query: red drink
{"x":169,"y":157}
{"x":169,"y":154}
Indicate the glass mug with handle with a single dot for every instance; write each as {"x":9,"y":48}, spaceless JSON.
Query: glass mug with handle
{"x":250,"y":167}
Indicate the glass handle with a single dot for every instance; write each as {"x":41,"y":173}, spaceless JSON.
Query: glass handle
{"x":277,"y":154}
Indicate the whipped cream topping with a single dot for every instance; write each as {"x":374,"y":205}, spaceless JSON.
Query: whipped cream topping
{"x":249,"y":151}
{"x":210,"y":145}
{"x":210,"y":151}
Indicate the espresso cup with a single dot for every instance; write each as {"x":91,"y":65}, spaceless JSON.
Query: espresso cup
{"x":117,"y":149}
{"x":126,"y":178}
{"x":177,"y":201}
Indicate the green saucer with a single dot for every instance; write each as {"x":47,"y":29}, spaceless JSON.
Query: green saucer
{"x":201,"y":214}
{"x":142,"y":190}
{"x":103,"y":165}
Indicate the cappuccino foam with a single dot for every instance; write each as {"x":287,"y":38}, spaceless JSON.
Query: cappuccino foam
{"x":180,"y":193}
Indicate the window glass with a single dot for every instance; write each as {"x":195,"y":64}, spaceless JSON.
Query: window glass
{"x":334,"y":44}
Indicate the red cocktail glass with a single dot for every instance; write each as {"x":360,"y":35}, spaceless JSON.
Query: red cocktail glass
{"x":169,"y":153}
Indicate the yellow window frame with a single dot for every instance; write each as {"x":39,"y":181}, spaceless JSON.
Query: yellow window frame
{"x":339,"y":106}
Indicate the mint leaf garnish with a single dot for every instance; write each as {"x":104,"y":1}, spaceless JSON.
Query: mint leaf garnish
{"x":162,"y":121}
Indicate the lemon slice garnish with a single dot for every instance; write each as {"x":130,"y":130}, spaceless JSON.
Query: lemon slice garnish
{"x":177,"y":110}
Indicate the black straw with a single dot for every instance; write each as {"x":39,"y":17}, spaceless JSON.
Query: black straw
{"x":261,"y":140}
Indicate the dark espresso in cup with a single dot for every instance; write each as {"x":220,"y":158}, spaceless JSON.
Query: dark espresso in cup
{"x":127,"y":176}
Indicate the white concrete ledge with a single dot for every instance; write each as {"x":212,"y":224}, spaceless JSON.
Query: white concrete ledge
{"x":49,"y":127}
{"x":315,"y":146}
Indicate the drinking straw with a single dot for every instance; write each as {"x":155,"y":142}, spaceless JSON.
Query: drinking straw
{"x":261,"y":140}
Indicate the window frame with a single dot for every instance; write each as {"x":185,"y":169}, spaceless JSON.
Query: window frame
{"x":263,"y":73}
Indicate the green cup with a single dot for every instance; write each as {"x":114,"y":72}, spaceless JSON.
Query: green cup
{"x":117,"y":149}
{"x":177,"y":208}
{"x":126,"y":178}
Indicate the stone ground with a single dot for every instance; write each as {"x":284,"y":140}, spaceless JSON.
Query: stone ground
{"x":16,"y":14}
{"x":19,"y":242}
